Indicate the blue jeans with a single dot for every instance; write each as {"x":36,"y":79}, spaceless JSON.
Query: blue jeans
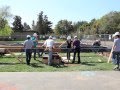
{"x":28,"y":55}
{"x":50,"y":57}
{"x":76,"y":50}
{"x":34,"y":51}
{"x":68,"y":53}
{"x":116,"y":56}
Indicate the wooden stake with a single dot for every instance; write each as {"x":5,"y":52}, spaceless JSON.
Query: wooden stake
{"x":110,"y":56}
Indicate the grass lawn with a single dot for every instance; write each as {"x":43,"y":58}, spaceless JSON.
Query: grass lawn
{"x":90,"y":62}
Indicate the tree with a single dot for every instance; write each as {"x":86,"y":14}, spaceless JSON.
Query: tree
{"x":5,"y":12}
{"x":17,"y":25}
{"x":5,"y":29}
{"x":26,"y":27}
{"x":43,"y":25}
{"x":64,"y":27}
{"x":4,"y":15}
{"x":33,"y":25}
{"x":47,"y":25}
{"x":2,"y":22}
{"x":109,"y":23}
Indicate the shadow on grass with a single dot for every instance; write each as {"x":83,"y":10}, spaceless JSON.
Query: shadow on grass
{"x":90,"y":56}
{"x":88,"y":64}
{"x":11,"y":63}
{"x":54,"y":65}
{"x":39,"y":61}
{"x":60,"y":66}
{"x":36,"y":65}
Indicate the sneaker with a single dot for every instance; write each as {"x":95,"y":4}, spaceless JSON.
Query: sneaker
{"x":116,"y":67}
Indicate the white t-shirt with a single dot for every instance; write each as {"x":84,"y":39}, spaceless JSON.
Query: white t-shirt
{"x":49,"y":43}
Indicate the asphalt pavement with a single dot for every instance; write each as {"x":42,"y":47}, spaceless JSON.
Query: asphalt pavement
{"x":83,"y":80}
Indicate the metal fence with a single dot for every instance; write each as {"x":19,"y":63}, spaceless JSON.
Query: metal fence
{"x":106,"y":39}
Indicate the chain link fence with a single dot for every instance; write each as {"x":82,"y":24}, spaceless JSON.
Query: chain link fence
{"x":106,"y":39}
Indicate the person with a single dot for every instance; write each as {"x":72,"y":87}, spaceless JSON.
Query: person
{"x":35,"y":41}
{"x":49,"y":44}
{"x":28,"y":45}
{"x":116,"y":50}
{"x":76,"y":46}
{"x":113,"y":55}
{"x":69,"y":45}
{"x":96,"y":45}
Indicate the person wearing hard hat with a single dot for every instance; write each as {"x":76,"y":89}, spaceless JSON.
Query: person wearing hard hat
{"x":76,"y":46}
{"x":113,"y":55}
{"x":49,"y":44}
{"x":69,"y":46}
{"x":28,"y":45}
{"x":34,"y":38}
{"x":116,"y":50}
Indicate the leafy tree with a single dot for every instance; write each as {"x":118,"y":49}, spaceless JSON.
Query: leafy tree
{"x":43,"y":25}
{"x":5,"y":29}
{"x":26,"y":27}
{"x":64,"y":27}
{"x":2,"y":22}
{"x":110,"y":22}
{"x":33,"y":25}
{"x":17,"y":25}
{"x":5,"y":12}
{"x":4,"y":15}
{"x":47,"y":25}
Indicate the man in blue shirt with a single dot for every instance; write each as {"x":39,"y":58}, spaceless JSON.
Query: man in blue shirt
{"x":116,"y":50}
{"x":28,"y":45}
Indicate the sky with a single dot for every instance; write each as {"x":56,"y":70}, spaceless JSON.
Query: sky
{"x":56,"y":10}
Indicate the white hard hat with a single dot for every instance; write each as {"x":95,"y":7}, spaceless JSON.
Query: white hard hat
{"x":50,"y":37}
{"x":75,"y":36}
{"x":69,"y":37}
{"x":28,"y":36}
{"x":35,"y":34}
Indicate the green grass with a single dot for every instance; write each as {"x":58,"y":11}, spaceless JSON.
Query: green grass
{"x":90,"y":62}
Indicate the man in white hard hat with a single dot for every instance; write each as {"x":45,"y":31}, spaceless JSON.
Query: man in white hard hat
{"x":28,"y":45}
{"x":49,"y":44}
